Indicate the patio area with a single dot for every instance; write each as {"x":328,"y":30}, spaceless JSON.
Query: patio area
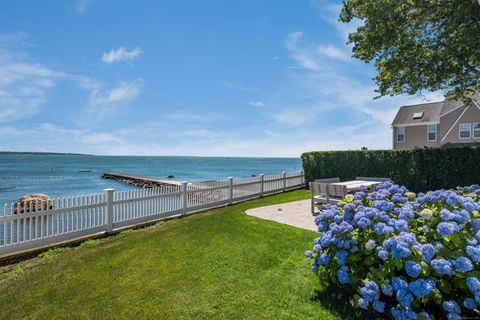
{"x":296,"y":214}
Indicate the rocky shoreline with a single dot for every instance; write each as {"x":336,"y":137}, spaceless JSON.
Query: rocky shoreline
{"x":141,"y":182}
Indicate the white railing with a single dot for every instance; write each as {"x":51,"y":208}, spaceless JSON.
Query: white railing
{"x":37,"y":224}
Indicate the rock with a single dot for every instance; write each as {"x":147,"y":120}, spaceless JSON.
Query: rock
{"x":36,"y":202}
{"x":170,"y":176}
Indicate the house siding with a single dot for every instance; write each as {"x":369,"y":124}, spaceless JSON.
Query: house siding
{"x":448,"y":120}
{"x":415,"y":136}
{"x":471,"y":115}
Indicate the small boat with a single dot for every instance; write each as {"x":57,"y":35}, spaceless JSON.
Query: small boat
{"x":84,"y":170}
{"x":170,"y":176}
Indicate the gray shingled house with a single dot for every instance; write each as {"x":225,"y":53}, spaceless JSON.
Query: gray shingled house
{"x":437,"y":124}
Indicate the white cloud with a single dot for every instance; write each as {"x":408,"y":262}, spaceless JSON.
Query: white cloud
{"x":124,"y":92}
{"x":330,"y":13}
{"x":24,"y":85}
{"x":121,"y":54}
{"x":304,"y":58}
{"x":333,"y":52}
{"x":258,"y":104}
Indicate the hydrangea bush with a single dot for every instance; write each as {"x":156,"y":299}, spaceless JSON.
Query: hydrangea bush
{"x":403,"y":255}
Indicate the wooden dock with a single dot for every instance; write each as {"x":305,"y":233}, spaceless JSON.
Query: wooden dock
{"x":139,"y":181}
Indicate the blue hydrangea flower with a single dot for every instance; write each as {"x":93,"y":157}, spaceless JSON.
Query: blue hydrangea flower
{"x":446,"y":215}
{"x":314,"y":266}
{"x":398,"y":284}
{"x":442,"y":266}
{"x":401,"y":225}
{"x":363,"y":303}
{"x":401,"y":250}
{"x":428,"y":252}
{"x":406,"y":214}
{"x":308,"y":254}
{"x":451,"y":307}
{"x":360,"y":195}
{"x":410,"y":314}
{"x":477,"y":297}
{"x":364,"y":223}
{"x":387,"y":289}
{"x":342,"y":275}
{"x":453,"y":316}
{"x":407,"y":237}
{"x":381,"y":228}
{"x":438,"y":246}
{"x":421,"y":288}
{"x":473,"y":284}
{"x":404,"y":297}
{"x":370,"y":291}
{"x":463,"y":264}
{"x":398,"y":314}
{"x":412,"y":268}
{"x":379,"y":306}
{"x":341,"y":255}
{"x":461,"y":215}
{"x":383,"y":205}
{"x":469,"y":303}
{"x":453,"y":199}
{"x":472,"y":242}
{"x":382,"y":254}
{"x":397,"y":198}
{"x":474,"y":253}
{"x":469,"y":206}
{"x":323,"y":259}
{"x":445,"y":229}
{"x":475,"y":225}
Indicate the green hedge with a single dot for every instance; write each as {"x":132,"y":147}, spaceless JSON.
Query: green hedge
{"x":417,"y":169}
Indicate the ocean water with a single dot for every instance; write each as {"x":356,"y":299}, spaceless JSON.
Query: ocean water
{"x":60,"y":175}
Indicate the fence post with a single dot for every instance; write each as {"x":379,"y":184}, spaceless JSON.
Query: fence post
{"x":284,"y":181}
{"x":109,"y":207}
{"x":230,"y":190}
{"x":301,"y":179}
{"x":262,"y":176}
{"x":184,"y":197}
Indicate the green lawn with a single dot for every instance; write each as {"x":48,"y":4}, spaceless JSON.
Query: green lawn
{"x":219,"y":264}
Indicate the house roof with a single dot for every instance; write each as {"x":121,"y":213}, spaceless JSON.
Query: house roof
{"x":431,"y":112}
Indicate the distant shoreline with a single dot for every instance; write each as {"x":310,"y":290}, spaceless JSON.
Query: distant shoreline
{"x":45,"y":153}
{"x":126,"y":155}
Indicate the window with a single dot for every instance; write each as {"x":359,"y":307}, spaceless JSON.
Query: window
{"x":476,"y":130}
{"x":401,"y":134}
{"x":432,"y":132}
{"x":417,"y":115}
{"x":465,"y":130}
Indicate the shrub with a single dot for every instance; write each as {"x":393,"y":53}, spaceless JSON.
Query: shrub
{"x":420,"y":169}
{"x":403,"y":255}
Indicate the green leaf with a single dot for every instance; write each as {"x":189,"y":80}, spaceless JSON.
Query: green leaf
{"x":444,"y":286}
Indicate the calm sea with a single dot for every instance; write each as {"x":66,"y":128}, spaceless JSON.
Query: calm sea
{"x":60,"y":175}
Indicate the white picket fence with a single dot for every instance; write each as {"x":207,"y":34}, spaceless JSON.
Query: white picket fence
{"x":73,"y":217}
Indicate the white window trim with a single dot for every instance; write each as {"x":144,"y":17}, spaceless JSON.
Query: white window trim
{"x":404,"y":135}
{"x":470,"y":131}
{"x":428,"y":132}
{"x":454,"y":124}
{"x":473,"y":130}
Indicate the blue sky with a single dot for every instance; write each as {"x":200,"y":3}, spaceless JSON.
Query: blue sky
{"x":207,"y":78}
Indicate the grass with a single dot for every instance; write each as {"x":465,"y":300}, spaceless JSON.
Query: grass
{"x":220,"y":264}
